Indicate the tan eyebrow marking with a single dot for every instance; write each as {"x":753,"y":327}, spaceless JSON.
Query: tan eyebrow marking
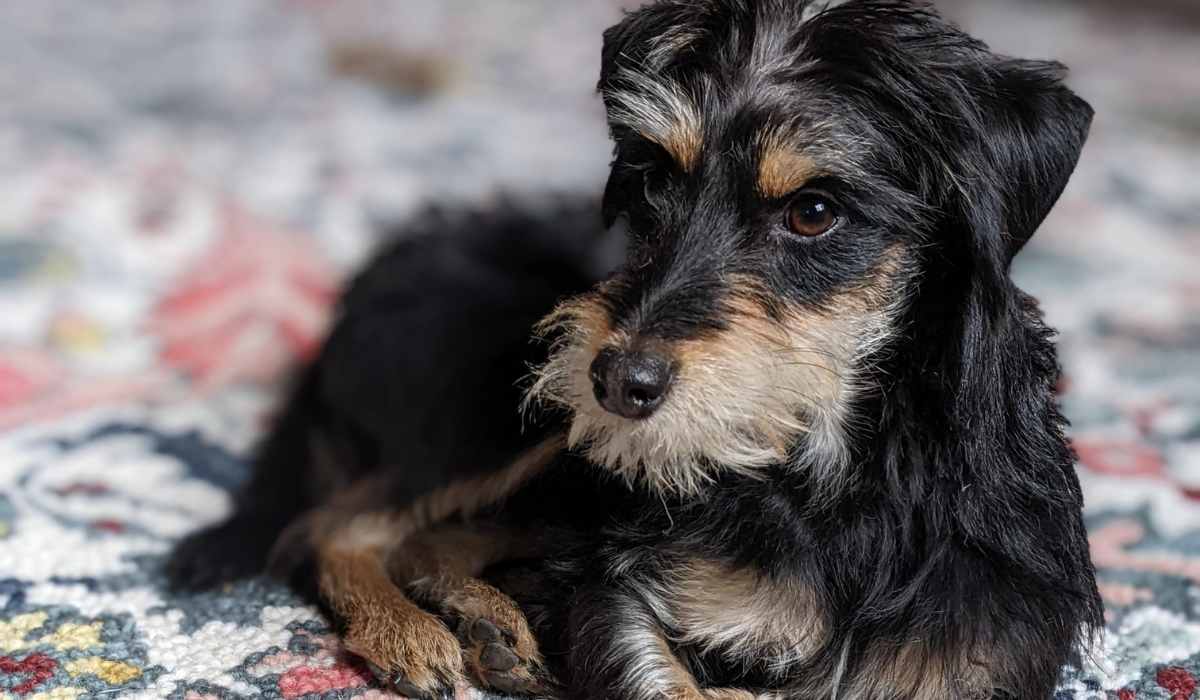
{"x":782,"y":168}
{"x":660,"y":111}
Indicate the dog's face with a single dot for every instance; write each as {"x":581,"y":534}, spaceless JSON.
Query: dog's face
{"x":790,"y":176}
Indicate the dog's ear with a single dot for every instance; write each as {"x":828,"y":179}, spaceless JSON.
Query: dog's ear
{"x":641,"y":41}
{"x":640,"y":44}
{"x":1032,"y":131}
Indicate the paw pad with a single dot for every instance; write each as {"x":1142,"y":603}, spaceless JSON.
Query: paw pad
{"x":497,"y":657}
{"x":497,"y":665}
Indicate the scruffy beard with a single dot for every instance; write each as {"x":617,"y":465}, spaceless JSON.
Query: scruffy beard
{"x":762,"y":392}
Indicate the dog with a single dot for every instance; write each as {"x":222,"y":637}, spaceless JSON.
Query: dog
{"x":802,"y":442}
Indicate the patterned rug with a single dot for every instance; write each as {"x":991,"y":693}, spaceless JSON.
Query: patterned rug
{"x":183,"y":186}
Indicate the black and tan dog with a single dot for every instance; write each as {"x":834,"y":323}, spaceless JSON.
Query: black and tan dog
{"x":802,"y":443}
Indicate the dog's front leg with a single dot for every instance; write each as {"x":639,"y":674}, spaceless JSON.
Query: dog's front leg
{"x":441,"y":566}
{"x":406,"y":645}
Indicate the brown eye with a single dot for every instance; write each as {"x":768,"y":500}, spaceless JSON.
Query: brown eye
{"x":811,"y":215}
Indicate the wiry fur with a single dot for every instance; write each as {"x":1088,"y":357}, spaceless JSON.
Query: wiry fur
{"x":744,"y":394}
{"x":661,"y":111}
{"x":940,"y":536}
{"x":752,"y":618}
{"x":857,"y":487}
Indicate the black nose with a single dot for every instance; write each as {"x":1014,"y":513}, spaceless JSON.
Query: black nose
{"x":630,"y":383}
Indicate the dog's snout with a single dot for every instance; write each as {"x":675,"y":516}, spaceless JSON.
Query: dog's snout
{"x":631,"y":384}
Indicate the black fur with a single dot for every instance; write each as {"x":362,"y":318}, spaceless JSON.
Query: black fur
{"x":956,"y":519}
{"x":961,"y":526}
{"x":420,"y":378}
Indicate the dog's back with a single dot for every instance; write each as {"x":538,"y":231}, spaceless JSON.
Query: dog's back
{"x":419,"y":381}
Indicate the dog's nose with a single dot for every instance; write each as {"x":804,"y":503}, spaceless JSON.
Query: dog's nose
{"x":631,"y":384}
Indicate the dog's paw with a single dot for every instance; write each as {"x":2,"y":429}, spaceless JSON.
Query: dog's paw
{"x":410,"y":649}
{"x":503,"y":659}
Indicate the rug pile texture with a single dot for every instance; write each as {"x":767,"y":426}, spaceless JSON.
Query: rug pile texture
{"x":184,"y":186}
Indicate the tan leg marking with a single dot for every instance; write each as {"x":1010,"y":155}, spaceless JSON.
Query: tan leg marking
{"x":406,"y":644}
{"x":441,"y":566}
{"x":353,"y":535}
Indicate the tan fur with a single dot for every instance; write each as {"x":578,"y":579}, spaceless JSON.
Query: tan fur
{"x":782,"y":168}
{"x":348,"y":521}
{"x":356,"y":515}
{"x":383,"y":626}
{"x":660,"y":110}
{"x":469,"y":496}
{"x":746,"y":616}
{"x":792,"y":155}
{"x":441,"y":566}
{"x":909,"y":670}
{"x":741,"y":398}
{"x":730,"y":694}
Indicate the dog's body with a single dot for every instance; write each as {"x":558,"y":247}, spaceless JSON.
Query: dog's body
{"x":802,"y":443}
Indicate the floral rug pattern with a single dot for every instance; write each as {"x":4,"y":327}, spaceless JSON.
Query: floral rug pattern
{"x":184,"y":185}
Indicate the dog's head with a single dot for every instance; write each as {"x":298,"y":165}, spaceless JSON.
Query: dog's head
{"x":790,"y":176}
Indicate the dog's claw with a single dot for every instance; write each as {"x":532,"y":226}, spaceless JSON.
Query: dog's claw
{"x":408,"y":689}
{"x":402,"y":686}
{"x":398,"y":681}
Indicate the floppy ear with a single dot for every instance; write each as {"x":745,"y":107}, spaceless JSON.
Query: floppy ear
{"x":637,"y":44}
{"x":1033,"y":129}
{"x":638,"y":41}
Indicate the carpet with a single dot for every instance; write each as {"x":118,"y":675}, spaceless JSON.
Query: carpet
{"x":184,"y":186}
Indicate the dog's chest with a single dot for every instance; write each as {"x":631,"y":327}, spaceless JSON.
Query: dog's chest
{"x":744,"y":616}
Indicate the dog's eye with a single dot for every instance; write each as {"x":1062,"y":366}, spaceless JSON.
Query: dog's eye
{"x":811,"y":215}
